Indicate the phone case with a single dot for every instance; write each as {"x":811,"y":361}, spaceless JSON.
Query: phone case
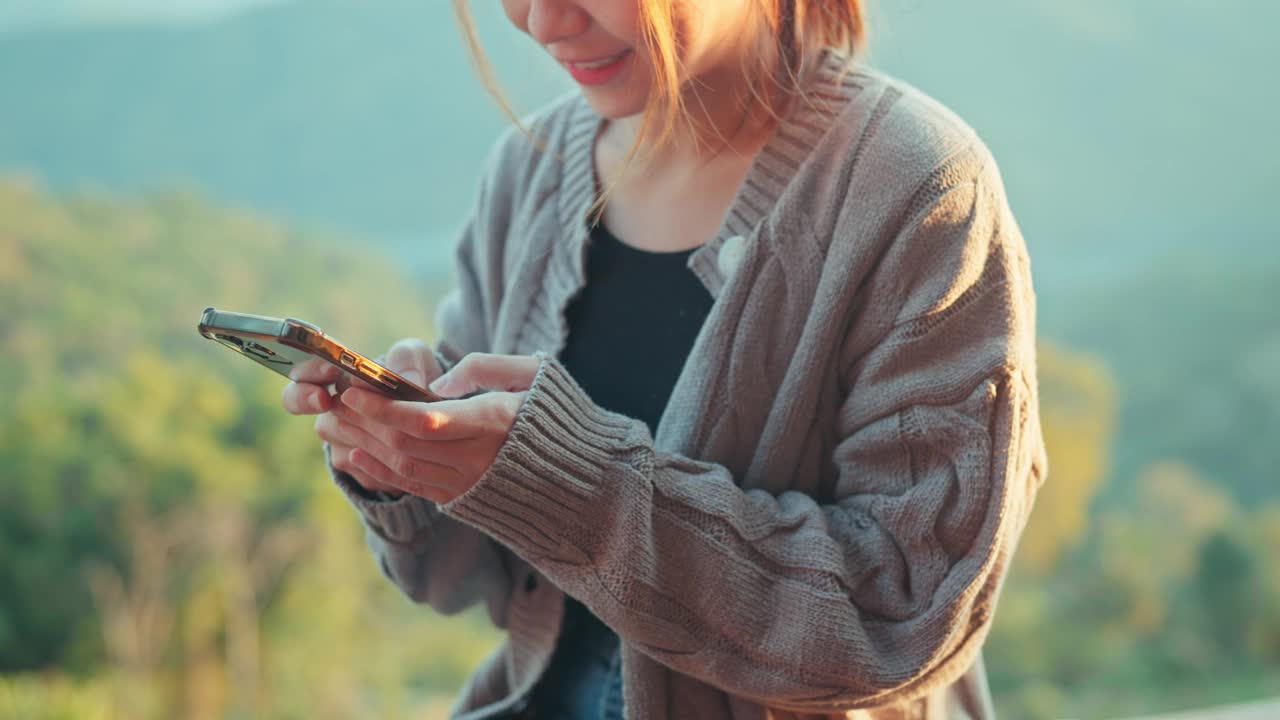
{"x":285,"y":345}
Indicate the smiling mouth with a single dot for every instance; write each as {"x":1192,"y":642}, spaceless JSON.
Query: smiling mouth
{"x":597,"y":64}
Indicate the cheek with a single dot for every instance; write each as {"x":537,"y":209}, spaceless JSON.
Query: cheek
{"x":618,"y":18}
{"x":694,"y":32}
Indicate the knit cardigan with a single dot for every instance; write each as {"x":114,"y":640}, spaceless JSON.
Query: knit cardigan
{"x":822,"y":523}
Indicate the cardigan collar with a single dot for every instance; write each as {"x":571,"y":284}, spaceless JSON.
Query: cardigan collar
{"x":830,"y":86}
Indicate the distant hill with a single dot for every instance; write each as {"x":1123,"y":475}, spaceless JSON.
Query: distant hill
{"x":359,"y":116}
{"x":1119,"y":126}
{"x":1112,"y":121}
{"x":1194,"y":344}
{"x":1134,"y":139}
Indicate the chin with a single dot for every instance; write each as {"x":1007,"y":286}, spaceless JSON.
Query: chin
{"x":614,"y":105}
{"x":626,"y":97}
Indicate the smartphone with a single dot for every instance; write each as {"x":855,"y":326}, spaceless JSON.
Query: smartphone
{"x":289,"y":345}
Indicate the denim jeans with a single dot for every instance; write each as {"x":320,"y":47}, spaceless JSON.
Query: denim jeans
{"x":584,"y":679}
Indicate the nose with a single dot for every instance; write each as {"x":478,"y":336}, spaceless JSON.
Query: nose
{"x":551,"y":21}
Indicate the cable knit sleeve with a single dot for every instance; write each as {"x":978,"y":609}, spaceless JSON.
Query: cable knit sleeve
{"x":880,"y":592}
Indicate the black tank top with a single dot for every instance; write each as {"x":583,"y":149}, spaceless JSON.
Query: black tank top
{"x":630,"y":331}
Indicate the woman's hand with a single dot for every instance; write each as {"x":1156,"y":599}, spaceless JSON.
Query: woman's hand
{"x":308,"y":394}
{"x":433,"y":450}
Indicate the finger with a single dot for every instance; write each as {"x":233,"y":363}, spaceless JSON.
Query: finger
{"x":339,"y":440}
{"x":483,"y":371}
{"x":406,"y":456}
{"x":352,"y":428}
{"x":316,"y":372}
{"x":349,"y":416}
{"x":303,"y":398}
{"x":404,"y":473}
{"x":330,"y":428}
{"x":444,"y":420}
{"x":340,"y":460}
{"x":348,"y":378}
{"x":333,"y":429}
{"x":413,"y":360}
{"x":319,"y":372}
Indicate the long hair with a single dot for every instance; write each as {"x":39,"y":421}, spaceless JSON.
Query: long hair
{"x":795,"y":31}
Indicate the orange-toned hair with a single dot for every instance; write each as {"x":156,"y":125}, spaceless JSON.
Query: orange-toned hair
{"x":797,"y":29}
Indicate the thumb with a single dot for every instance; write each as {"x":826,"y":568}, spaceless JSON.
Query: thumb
{"x":482,"y":371}
{"x":412,"y":360}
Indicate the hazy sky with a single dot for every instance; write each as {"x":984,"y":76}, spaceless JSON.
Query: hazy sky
{"x":28,"y":13}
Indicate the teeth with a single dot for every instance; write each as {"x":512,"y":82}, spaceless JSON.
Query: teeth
{"x":600,"y":63}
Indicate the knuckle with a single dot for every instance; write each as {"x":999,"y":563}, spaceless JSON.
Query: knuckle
{"x":342,"y":382}
{"x":454,"y":478}
{"x":501,"y":414}
{"x":336,"y":431}
{"x":433,"y":421}
{"x":399,"y":441}
{"x":323,"y":425}
{"x":514,"y":402}
{"x":404,"y":466}
{"x":477,"y":361}
{"x":404,"y":352}
{"x":341,"y":463}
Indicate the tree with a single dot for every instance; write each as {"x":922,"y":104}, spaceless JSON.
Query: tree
{"x":1077,"y":409}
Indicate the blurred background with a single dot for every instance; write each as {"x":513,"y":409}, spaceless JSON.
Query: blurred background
{"x":170,"y":545}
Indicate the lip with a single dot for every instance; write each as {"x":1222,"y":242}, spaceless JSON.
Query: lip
{"x":596,"y":75}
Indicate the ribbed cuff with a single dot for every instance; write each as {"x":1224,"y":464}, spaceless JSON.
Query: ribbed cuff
{"x":397,"y":520}
{"x":547,"y":491}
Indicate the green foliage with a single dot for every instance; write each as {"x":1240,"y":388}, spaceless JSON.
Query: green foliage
{"x":167,"y":531}
{"x":1169,"y":603}
{"x":1192,"y":344}
{"x":32,"y":697}
{"x":170,"y":545}
{"x":1077,"y":411}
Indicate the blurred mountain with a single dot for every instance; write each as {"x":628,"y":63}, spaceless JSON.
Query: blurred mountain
{"x":1126,"y":131}
{"x":1137,"y":142}
{"x":357,"y":116}
{"x":1117,"y":125}
{"x":1135,"y":139}
{"x":1194,"y":342}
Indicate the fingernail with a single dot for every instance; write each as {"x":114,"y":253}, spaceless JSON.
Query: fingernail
{"x":413,"y":376}
{"x":359,"y":459}
{"x":316,"y":403}
{"x":439,"y":384}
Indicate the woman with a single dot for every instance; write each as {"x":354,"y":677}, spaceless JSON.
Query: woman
{"x":761,"y":434}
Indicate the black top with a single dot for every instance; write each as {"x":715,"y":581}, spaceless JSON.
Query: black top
{"x":630,"y":330}
{"x":633,"y":325}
